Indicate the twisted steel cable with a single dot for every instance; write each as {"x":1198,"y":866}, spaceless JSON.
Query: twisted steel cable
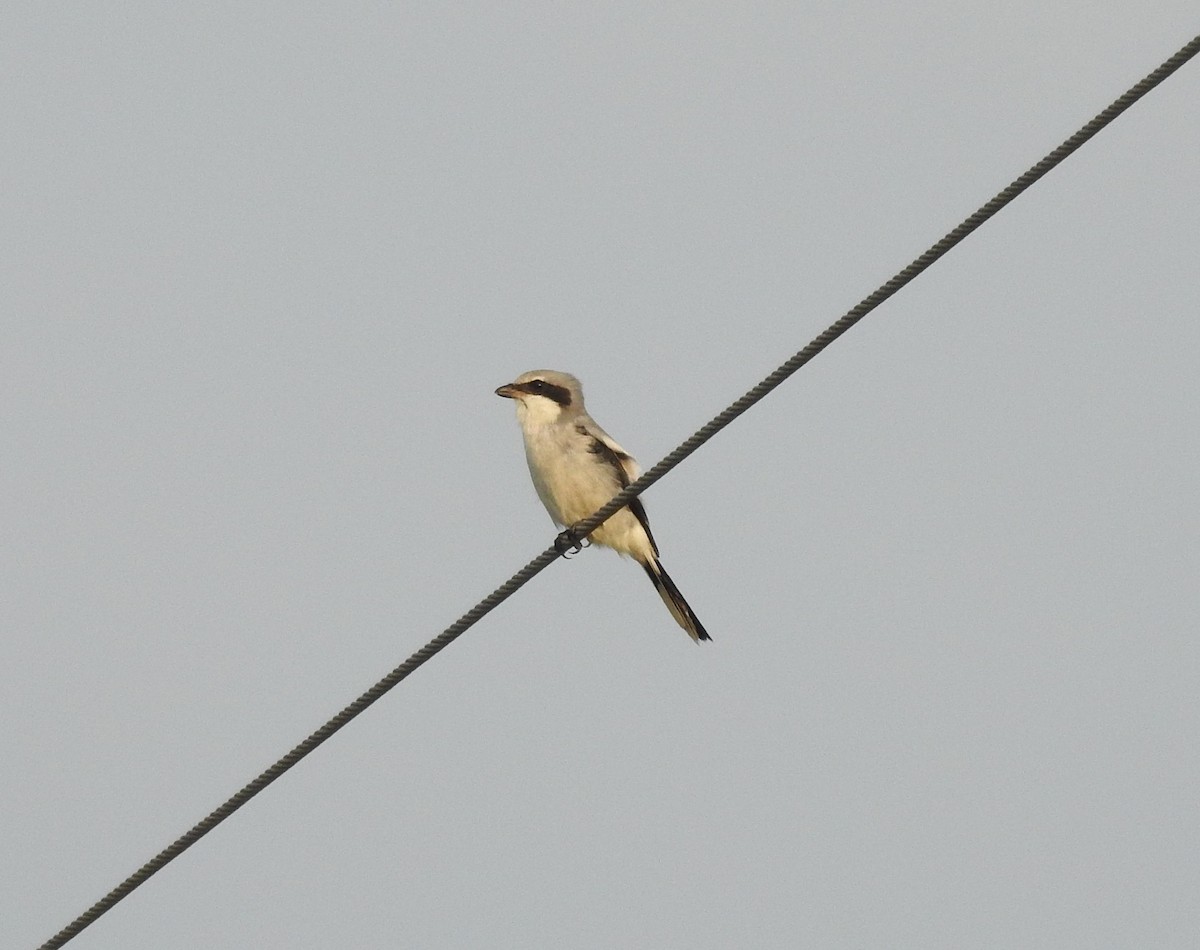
{"x":586,"y":527}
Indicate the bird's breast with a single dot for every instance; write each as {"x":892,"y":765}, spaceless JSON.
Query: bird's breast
{"x":571,"y":481}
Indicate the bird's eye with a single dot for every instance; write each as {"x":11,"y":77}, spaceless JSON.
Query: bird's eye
{"x":538,"y":385}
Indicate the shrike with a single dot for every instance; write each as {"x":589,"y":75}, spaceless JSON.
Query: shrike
{"x":577,"y":467}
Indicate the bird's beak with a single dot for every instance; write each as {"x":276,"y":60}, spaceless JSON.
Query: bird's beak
{"x":508,"y":391}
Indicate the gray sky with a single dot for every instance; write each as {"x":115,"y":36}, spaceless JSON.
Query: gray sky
{"x":263,"y":269}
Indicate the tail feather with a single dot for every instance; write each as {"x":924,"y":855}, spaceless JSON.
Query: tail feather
{"x":674,"y":600}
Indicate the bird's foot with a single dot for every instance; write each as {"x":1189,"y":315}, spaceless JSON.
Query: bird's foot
{"x":569,"y":543}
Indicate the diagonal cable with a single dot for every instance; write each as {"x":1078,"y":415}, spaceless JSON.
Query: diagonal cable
{"x":587,"y":526}
{"x":904,"y":277}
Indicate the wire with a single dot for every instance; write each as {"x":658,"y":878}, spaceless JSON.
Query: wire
{"x":586,"y":527}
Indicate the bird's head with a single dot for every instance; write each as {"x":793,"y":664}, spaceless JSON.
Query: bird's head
{"x":543,"y":396}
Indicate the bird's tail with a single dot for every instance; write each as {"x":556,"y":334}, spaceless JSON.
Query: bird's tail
{"x":674,"y":600}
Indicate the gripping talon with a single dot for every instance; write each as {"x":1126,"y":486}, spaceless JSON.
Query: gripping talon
{"x":568,"y":544}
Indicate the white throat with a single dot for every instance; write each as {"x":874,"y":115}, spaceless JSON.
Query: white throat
{"x":535,"y":412}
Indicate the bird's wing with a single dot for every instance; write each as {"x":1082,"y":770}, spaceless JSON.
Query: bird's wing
{"x":626,"y":464}
{"x":624,"y":467}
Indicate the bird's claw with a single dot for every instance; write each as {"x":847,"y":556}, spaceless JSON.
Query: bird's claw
{"x":569,"y":543}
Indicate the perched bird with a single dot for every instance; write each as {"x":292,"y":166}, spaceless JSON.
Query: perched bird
{"x":577,"y":467}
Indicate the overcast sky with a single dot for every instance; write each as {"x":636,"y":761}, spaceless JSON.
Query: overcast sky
{"x":264,"y":266}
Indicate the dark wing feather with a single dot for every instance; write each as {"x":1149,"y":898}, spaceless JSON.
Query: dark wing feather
{"x":617,"y":459}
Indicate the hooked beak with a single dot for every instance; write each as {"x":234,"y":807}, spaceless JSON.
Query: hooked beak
{"x":508,"y":391}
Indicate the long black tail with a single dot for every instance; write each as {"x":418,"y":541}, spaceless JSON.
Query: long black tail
{"x":674,"y":600}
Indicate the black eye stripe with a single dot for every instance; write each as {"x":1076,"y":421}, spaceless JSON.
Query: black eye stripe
{"x":539,"y":387}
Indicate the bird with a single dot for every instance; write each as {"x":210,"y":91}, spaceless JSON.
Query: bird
{"x":577,"y":468}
